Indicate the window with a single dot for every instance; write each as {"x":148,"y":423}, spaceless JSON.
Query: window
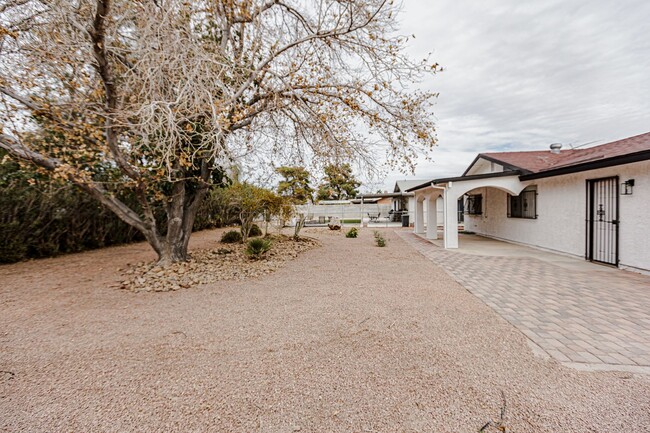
{"x":474,"y":204}
{"x":523,"y":205}
{"x":461,"y":210}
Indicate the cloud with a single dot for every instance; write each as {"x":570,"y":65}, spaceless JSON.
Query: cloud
{"x":521,"y":75}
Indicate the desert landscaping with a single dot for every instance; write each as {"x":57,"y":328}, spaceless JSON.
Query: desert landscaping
{"x":359,"y":216}
{"x":345,"y":337}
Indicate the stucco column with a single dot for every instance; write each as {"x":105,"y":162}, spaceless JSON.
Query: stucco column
{"x":362,"y":214}
{"x":419,"y":216}
{"x":432,"y":217}
{"x":451,"y":218}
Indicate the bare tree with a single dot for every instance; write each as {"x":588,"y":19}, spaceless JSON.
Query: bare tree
{"x":165,"y":91}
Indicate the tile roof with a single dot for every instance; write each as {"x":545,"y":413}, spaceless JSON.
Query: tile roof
{"x":538,"y":161}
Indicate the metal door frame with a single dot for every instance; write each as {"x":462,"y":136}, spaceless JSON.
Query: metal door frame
{"x":590,"y":219}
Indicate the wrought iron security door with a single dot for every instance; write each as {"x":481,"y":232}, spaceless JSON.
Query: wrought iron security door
{"x":602,"y":220}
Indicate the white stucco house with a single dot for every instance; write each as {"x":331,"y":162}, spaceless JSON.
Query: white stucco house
{"x":589,"y":202}
{"x":407,"y":201}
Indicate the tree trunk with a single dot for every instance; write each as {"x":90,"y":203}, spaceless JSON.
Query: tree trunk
{"x":172,"y":252}
{"x":246,"y":220}
{"x":182,"y":207}
{"x":181,"y":213}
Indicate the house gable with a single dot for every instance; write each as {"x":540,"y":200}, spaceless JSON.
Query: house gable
{"x":404,"y":185}
{"x":483,"y":165}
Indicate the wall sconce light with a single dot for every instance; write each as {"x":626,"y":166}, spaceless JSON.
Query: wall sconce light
{"x":627,"y":186}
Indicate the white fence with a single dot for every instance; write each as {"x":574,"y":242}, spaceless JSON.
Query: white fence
{"x":351,"y":214}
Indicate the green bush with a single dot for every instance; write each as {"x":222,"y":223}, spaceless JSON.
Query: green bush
{"x":39,"y":218}
{"x":255,"y":231}
{"x":257,"y":247}
{"x":352,"y":233}
{"x":216,"y":210}
{"x":379,"y":239}
{"x":231,"y":237}
{"x":43,"y":218}
{"x":13,"y":248}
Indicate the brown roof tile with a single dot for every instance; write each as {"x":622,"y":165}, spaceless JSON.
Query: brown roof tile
{"x":537,"y":161}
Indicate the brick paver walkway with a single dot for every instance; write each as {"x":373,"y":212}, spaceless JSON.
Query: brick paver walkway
{"x":593,"y":319}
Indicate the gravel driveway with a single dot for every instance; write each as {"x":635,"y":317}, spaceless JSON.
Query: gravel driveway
{"x":346,"y":338}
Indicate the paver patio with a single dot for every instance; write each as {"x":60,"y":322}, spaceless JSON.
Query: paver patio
{"x":584,"y":315}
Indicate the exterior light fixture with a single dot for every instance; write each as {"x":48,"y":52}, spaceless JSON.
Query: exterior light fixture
{"x":627,"y":187}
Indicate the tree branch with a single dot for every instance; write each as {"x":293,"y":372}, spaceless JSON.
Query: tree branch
{"x":95,"y":189}
{"x":98,"y":37}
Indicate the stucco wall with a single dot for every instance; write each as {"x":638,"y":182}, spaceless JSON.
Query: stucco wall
{"x":561,"y":210}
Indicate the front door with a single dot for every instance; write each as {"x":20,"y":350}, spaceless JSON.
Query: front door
{"x":602,"y":220}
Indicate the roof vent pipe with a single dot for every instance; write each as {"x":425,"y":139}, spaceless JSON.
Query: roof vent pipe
{"x":555,"y":148}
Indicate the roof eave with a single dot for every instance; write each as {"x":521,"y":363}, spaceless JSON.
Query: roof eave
{"x":383,"y":195}
{"x":424,"y":185}
{"x":478,"y":176}
{"x":434,"y":182}
{"x":592,"y":165}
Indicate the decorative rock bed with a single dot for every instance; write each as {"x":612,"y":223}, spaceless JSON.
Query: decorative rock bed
{"x":227,"y":262}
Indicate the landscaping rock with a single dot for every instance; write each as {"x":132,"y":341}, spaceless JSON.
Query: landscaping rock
{"x":228,"y":262}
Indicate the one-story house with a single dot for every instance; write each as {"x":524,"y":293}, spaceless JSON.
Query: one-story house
{"x":591,"y":202}
{"x":405,"y":201}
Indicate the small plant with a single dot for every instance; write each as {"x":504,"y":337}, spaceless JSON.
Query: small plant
{"x":500,"y":424}
{"x":231,"y":237}
{"x":255,"y":231}
{"x":300,"y":223}
{"x":257,"y":247}
{"x":379,"y":239}
{"x":352,"y":233}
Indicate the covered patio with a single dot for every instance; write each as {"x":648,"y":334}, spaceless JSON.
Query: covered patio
{"x":450,"y":190}
{"x":478,"y":245}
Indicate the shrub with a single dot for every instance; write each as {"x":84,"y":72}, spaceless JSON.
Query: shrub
{"x":251,"y":202}
{"x":379,"y":239}
{"x":352,"y":233}
{"x":41,"y":217}
{"x":257,"y":247}
{"x":231,"y":237}
{"x":255,"y":231}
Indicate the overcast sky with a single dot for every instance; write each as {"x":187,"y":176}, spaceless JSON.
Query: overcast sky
{"x":520,"y":75}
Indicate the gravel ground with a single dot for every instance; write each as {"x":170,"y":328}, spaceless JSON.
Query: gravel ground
{"x":345,"y":338}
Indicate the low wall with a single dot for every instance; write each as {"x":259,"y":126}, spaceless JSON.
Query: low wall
{"x":343,"y":212}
